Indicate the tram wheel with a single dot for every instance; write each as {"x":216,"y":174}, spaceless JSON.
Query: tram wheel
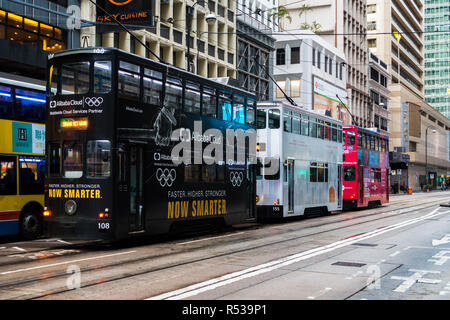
{"x":30,"y":225}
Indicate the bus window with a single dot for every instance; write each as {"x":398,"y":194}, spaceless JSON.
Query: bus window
{"x":31,"y":175}
{"x":238,"y":109}
{"x":192,"y":100}
{"x":305,"y":125}
{"x":224,"y":110}
{"x":72,"y":160}
{"x":349,"y":173}
{"x":102,"y":77}
{"x":174,"y":94}
{"x":6,"y":103}
{"x":296,"y":123}
{"x":98,"y":158}
{"x":54,"y":159}
{"x":129,"y":80}
{"x":209,"y":103}
{"x":312,"y":127}
{"x":30,"y":105}
{"x":274,"y":119}
{"x":261,"y":119}
{"x":75,"y":78}
{"x":8,"y":182}
{"x":250,"y":112}
{"x":351,"y":138}
{"x":287,"y":120}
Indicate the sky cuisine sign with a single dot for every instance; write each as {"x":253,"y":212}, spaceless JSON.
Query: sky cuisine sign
{"x":128,"y":12}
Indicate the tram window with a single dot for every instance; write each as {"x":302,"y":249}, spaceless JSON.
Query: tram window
{"x":372,"y":142}
{"x":334,"y":133}
{"x":153,"y":74}
{"x":8,"y":180}
{"x":220,"y":172}
{"x":382,"y":145}
{"x":349,"y":173}
{"x":296,"y":123}
{"x":30,"y":105}
{"x":72,"y":160}
{"x":327,"y":131}
{"x":192,"y":173}
{"x":129,"y":67}
{"x":339,"y":134}
{"x":305,"y":125}
{"x":102,"y":77}
{"x":52,"y":81}
{"x":209,"y":103}
{"x":363,"y":139}
{"x":320,"y":172}
{"x":31,"y":175}
{"x":129,"y":84}
{"x":326,"y":172}
{"x":152,"y":91}
{"x":98,"y":158}
{"x":275,"y":176}
{"x":250,"y":112}
{"x":54,"y":159}
{"x":209,"y":173}
{"x":287,"y":120}
{"x":224,"y":110}
{"x":261,"y":119}
{"x":238,"y":109}
{"x":75,"y":78}
{"x":351,"y":138}
{"x":312,"y":127}
{"x":274,"y":119}
{"x":259,"y":170}
{"x":192,"y":98}
{"x":174,"y":94}
{"x":313,"y":172}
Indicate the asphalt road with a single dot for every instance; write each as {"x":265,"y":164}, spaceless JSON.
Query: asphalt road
{"x":397,"y":251}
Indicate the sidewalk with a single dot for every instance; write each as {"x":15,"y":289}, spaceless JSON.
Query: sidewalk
{"x":415,"y":192}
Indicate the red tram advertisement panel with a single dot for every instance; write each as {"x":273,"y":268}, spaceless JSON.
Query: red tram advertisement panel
{"x":365,"y":168}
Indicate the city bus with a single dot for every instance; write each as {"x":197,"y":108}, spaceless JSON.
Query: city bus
{"x":366,"y":167}
{"x":112,"y":128}
{"x":309,"y":148}
{"x":22,"y":164}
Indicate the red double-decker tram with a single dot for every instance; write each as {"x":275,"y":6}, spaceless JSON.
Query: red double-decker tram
{"x":366,"y":168}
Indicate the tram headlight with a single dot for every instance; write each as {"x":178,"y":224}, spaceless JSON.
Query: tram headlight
{"x":70,"y":207}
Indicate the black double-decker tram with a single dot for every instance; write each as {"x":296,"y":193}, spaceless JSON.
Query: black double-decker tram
{"x":113,"y":122}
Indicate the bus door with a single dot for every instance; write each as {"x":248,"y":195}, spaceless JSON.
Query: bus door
{"x":131,"y":175}
{"x":290,"y":181}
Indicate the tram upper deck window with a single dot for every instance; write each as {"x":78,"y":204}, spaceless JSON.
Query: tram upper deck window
{"x":287,"y":120}
{"x":75,"y":77}
{"x":334,"y":132}
{"x":305,"y":125}
{"x":224,"y":110}
{"x":349,"y":173}
{"x":261,"y":119}
{"x":152,"y":87}
{"x":6,"y":103}
{"x":173,"y":98}
{"x":129,"y":80}
{"x":98,"y":158}
{"x":192,"y":99}
{"x":312,"y":127}
{"x":72,"y":160}
{"x":102,"y":77}
{"x":339,"y":133}
{"x":209,"y":103}
{"x":274,"y":119}
{"x":250,"y":112}
{"x":238,"y":109}
{"x":296,"y":125}
{"x":351,"y":138}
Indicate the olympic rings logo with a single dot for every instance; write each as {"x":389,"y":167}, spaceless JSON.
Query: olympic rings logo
{"x":166,"y":177}
{"x":236,"y":178}
{"x":94,"y":101}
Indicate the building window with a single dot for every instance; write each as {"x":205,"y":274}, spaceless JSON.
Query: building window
{"x":326,"y":64}
{"x":371,"y":25}
{"x":314,"y":57}
{"x":282,"y":85}
{"x":295,"y":55}
{"x":372,"y":43}
{"x":371,"y":8}
{"x":295,"y":88}
{"x":318,"y":59}
{"x":281,"y":57}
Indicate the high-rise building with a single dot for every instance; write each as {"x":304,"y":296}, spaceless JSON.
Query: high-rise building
{"x":437,"y":55}
{"x":343,"y":24}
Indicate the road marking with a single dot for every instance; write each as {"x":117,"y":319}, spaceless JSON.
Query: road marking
{"x":212,"y":238}
{"x":444,"y":240}
{"x":394,"y":254}
{"x":446,"y":290}
{"x":66,"y":262}
{"x":226,"y":279}
{"x":417,"y":276}
{"x":440,"y":258}
{"x":19,"y":249}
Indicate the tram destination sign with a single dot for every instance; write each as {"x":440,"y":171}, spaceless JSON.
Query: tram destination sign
{"x":132,"y":13}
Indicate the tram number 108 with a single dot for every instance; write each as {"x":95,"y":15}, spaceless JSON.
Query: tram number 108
{"x":103,"y":226}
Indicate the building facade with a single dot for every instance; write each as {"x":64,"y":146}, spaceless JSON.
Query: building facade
{"x":437,"y":55}
{"x":343,"y":24}
{"x":310,"y":71}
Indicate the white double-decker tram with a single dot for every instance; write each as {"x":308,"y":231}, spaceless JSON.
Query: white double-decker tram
{"x":309,"y":148}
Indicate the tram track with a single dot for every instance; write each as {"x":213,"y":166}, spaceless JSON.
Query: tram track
{"x":110,"y":266}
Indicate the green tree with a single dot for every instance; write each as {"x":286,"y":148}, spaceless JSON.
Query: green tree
{"x":281,"y":12}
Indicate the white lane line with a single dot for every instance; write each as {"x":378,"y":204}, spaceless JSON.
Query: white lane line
{"x":66,"y":262}
{"x":198,"y":288}
{"x":1,"y":248}
{"x":19,"y":249}
{"x":212,"y":238}
{"x":394,"y":254}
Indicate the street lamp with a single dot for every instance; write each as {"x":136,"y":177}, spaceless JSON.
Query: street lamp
{"x":426,"y":151}
{"x":210,"y":19}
